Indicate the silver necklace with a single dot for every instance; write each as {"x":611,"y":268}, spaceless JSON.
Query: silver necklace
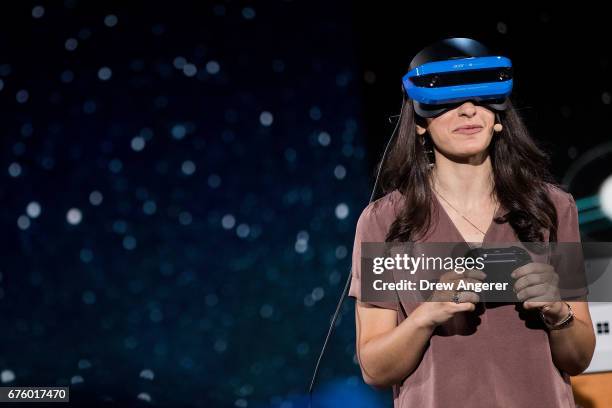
{"x":463,"y":216}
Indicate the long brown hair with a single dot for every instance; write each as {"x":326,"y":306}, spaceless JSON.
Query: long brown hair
{"x":520,"y":174}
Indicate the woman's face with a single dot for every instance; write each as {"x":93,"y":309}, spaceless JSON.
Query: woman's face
{"x":451,"y":137}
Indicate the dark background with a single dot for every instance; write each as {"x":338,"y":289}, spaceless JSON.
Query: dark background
{"x":180,"y":182}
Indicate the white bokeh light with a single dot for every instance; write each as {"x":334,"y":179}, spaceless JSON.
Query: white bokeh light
{"x":74,"y":216}
{"x":605,"y":197}
{"x":33,"y":209}
{"x":342,"y":211}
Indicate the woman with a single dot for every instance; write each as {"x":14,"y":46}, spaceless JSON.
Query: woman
{"x":471,"y":174}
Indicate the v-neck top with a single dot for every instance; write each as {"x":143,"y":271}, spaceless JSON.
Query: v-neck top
{"x":496,"y":356}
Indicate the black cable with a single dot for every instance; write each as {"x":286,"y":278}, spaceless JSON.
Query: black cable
{"x":348,"y":280}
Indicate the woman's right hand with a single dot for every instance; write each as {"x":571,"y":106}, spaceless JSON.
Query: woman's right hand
{"x":440,"y":307}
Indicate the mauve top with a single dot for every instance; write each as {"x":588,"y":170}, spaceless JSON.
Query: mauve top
{"x":502,"y":360}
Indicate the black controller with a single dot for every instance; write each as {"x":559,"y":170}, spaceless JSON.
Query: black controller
{"x":498,"y":265}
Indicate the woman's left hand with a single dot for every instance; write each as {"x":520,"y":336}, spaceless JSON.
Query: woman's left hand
{"x":536,"y":285}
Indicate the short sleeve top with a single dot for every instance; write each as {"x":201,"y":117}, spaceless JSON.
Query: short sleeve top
{"x":499,"y":357}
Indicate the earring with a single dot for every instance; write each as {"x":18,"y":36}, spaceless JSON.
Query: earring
{"x":498,"y":126}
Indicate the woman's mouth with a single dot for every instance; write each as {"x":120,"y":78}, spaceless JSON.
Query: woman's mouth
{"x":468,"y":129}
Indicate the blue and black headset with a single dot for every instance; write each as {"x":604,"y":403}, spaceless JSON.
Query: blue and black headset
{"x":441,"y":77}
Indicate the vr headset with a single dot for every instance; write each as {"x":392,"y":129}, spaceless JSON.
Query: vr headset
{"x":450,"y":72}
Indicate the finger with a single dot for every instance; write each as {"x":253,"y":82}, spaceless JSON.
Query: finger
{"x":532,"y":267}
{"x":529,"y":304}
{"x":467,"y":296}
{"x":528,"y":280}
{"x":531,"y":292}
{"x":463,"y":307}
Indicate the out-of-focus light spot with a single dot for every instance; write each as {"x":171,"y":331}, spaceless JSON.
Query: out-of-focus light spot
{"x":302,"y":348}
{"x":147,"y":374}
{"x":266,"y":118}
{"x":76,"y":379}
{"x":84,"y":364}
{"x":606,"y":98}
{"x":115,"y":165}
{"x":149,"y":207}
{"x":138,"y":143}
{"x":220,"y":346}
{"x":605,"y":197}
{"x":248,"y":13}
{"x":95,"y":197}
{"x":84,"y":34}
{"x":14,"y":169}
{"x":188,"y":167}
{"x":105,"y":73}
{"x":71,"y":44}
{"x":179,"y":62}
{"x":502,"y":28}
{"x":317,"y":294}
{"x":212,"y":67}
{"x":89,"y":298}
{"x":7,"y":376}
{"x":33,"y":209}
{"x":130,"y":342}
{"x":341,"y":252}
{"x":89,"y":107}
{"x":324,"y":139}
{"x":339,"y":172}
{"x":301,"y":246}
{"x":185,"y":218}
{"x":86,"y":255}
{"x":120,"y":227}
{"x":315,"y":113}
{"x":74,"y":216}
{"x":369,"y":77}
{"x":214,"y":181}
{"x":190,"y":70}
{"x":19,"y":149}
{"x":347,"y":150}
{"x":178,"y":131}
{"x":143,"y":396}
{"x":266,"y":311}
{"x":129,"y":242}
{"x":22,"y":96}
{"x":23,"y":222}
{"x":27,"y":129}
{"x":243,"y":230}
{"x":158,"y":29}
{"x":111,"y":20}
{"x":342,"y":211}
{"x":38,"y":11}
{"x":211,"y":299}
{"x":67,"y":76}
{"x":228,"y":221}
{"x":290,"y":154}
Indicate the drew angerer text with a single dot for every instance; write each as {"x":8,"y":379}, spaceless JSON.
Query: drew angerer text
{"x":427,"y":285}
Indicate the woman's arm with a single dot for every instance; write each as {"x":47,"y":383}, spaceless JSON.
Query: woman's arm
{"x":381,"y":342}
{"x":389,"y":352}
{"x":572,"y":347}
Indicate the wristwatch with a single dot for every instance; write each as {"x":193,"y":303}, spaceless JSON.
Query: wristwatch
{"x":563,"y":323}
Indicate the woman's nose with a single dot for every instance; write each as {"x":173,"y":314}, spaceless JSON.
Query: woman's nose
{"x":467,"y":108}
